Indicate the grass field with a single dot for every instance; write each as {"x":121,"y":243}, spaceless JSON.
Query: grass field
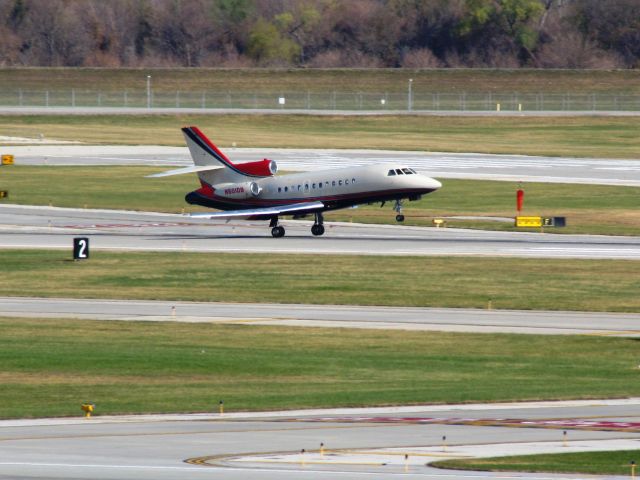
{"x":592,"y":463}
{"x":348,"y":80}
{"x":590,"y":285}
{"x":589,"y":208}
{"x":49,"y":367}
{"x":605,"y":137}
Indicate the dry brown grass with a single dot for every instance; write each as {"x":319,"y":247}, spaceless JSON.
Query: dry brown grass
{"x":317,"y":80}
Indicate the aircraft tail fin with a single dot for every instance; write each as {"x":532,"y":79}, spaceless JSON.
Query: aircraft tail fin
{"x":212,"y":165}
{"x":202,"y":150}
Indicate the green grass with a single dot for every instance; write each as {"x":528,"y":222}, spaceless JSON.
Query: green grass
{"x":592,"y":285}
{"x":349,"y":80}
{"x":49,"y":367}
{"x":592,"y":463}
{"x":595,"y":209}
{"x":614,"y":137}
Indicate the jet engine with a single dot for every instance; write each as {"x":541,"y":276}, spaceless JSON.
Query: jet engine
{"x":261,"y":168}
{"x":239,"y":191}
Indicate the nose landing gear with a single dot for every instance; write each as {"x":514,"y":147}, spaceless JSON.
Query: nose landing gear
{"x":318,"y":228}
{"x":398,"y":208}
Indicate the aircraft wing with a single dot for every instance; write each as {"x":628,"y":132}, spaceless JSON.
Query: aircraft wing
{"x":292,"y":209}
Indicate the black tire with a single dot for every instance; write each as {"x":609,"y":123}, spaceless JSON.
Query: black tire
{"x":277,"y":232}
{"x":399,"y":218}
{"x":317,"y":230}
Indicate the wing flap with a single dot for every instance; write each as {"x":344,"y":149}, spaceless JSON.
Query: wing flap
{"x":264,"y":212}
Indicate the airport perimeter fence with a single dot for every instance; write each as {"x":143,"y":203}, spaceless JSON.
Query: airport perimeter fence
{"x":337,"y":101}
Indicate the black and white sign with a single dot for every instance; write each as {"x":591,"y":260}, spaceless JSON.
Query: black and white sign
{"x":80,"y":248}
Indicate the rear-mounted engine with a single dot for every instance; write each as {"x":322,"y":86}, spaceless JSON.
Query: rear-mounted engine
{"x":261,"y":168}
{"x":240,"y":191}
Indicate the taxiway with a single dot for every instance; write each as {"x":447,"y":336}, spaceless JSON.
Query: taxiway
{"x":335,"y":316}
{"x":359,"y":443}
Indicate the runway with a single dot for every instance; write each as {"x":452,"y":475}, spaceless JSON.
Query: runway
{"x":440,"y":165}
{"x":333,"y":316}
{"x":50,"y":227}
{"x":357,"y":443}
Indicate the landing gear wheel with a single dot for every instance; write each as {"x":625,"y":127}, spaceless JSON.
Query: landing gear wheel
{"x":317,"y":230}
{"x":277,"y":232}
{"x":399,"y":218}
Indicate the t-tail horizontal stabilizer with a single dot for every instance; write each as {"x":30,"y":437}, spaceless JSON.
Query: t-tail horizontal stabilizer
{"x":181,"y":171}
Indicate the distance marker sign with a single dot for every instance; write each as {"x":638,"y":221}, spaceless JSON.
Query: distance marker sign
{"x":80,"y":248}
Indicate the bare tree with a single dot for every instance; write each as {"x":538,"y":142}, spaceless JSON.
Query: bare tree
{"x":54,"y":33}
{"x":574,"y":50}
{"x":183,"y":29}
{"x":420,"y":58}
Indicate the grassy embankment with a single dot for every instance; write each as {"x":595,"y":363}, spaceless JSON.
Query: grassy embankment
{"x":314,"y":80}
{"x":48,"y":367}
{"x":589,"y":208}
{"x":512,"y":283}
{"x":591,"y":463}
{"x":614,"y":137}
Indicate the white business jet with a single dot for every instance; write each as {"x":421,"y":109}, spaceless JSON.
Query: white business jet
{"x":252,"y":191}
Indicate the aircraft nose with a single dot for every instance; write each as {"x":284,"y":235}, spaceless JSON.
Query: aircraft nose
{"x":432,"y":183}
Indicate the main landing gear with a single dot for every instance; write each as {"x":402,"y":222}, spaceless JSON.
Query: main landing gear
{"x":398,"y":208}
{"x":318,"y":227}
{"x":276,"y":231}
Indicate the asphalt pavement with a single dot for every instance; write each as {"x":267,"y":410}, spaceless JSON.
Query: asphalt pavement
{"x":357,"y":443}
{"x":335,"y":316}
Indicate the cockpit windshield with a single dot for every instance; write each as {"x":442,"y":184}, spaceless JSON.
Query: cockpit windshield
{"x":401,"y":171}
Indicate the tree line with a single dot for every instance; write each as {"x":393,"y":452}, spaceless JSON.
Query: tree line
{"x":321,"y":33}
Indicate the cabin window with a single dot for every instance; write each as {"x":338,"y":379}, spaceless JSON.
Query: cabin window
{"x":299,"y":188}
{"x":313,"y":186}
{"x":320,"y":185}
{"x":391,"y":173}
{"x":399,"y":172}
{"x":279,"y":189}
{"x":407,"y":171}
{"x":333,"y":183}
{"x":346,"y":182}
{"x":353,"y":180}
{"x":340,"y":183}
